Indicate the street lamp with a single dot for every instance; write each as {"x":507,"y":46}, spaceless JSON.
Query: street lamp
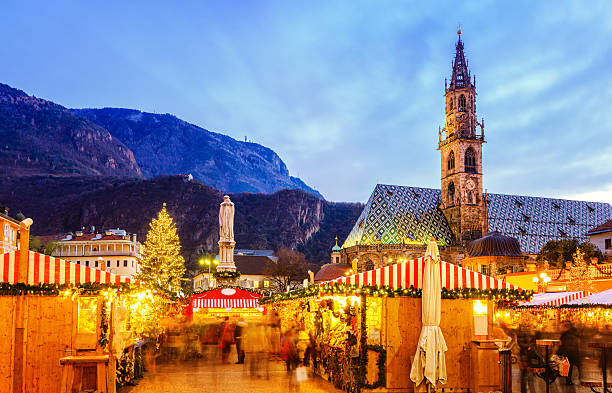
{"x":210,"y":264}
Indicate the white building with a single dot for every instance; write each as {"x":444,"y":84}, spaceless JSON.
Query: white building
{"x":601,"y":236}
{"x":119,"y":251}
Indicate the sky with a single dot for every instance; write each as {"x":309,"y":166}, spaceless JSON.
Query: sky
{"x":348,"y":93}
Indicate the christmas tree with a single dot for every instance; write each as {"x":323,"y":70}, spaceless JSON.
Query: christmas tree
{"x":162,"y":264}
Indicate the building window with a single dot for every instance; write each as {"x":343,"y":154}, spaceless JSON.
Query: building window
{"x":124,"y":263}
{"x":369,"y":265}
{"x":96,"y":264}
{"x":470,"y":160}
{"x":255,"y":284}
{"x":461,"y":102}
{"x":78,"y":262}
{"x":132,"y":263}
{"x":451,"y":161}
{"x":608,"y":244}
{"x":484,"y":269}
{"x":86,"y":263}
{"x":117,"y":263}
{"x":266,"y":284}
{"x":107,"y":263}
{"x":451,"y":104}
{"x":451,"y":193}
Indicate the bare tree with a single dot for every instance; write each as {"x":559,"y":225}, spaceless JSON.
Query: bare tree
{"x":288,"y":271}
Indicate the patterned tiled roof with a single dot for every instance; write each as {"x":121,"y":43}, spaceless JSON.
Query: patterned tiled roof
{"x":400,"y":214}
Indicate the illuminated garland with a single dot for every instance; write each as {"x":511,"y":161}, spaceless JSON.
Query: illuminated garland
{"x":90,"y":288}
{"x":252,"y":290}
{"x":563,"y":306}
{"x":386,"y":291}
{"x":103,"y":341}
{"x":226,"y":274}
{"x":382,"y":367}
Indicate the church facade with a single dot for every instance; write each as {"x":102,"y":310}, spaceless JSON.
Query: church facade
{"x":398,"y":221}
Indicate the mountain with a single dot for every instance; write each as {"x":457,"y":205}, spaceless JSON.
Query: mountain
{"x":38,"y":136}
{"x":164,"y":144}
{"x":288,"y":218}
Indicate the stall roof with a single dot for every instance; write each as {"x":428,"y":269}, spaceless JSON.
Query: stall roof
{"x":50,"y":270}
{"x":226,"y":298}
{"x":553,"y":298}
{"x":604,"y":297}
{"x":410,"y":273}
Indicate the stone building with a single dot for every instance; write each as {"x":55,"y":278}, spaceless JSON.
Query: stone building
{"x":398,"y":221}
{"x":113,"y":250}
{"x":601,"y":236}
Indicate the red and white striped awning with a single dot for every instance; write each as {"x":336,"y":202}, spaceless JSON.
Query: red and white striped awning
{"x":226,"y":298}
{"x":554,"y":298}
{"x":50,"y":270}
{"x":410,"y":273}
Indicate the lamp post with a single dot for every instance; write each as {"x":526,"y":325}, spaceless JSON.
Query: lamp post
{"x":542,"y":282}
{"x":210,"y":264}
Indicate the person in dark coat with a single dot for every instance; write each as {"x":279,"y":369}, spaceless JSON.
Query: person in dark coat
{"x":238,"y":333}
{"x":570,"y":344}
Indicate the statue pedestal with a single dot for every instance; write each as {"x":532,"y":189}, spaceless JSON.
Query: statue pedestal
{"x":226,"y":256}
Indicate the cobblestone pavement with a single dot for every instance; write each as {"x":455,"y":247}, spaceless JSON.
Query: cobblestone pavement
{"x":203,"y":377}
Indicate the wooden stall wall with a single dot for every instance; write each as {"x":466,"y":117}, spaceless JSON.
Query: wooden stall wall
{"x":48,"y":324}
{"x":7,"y":313}
{"x":49,"y":332}
{"x":401,"y":334}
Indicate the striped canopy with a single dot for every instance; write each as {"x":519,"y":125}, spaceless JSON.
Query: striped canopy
{"x":410,"y":273}
{"x":50,"y":270}
{"x":604,"y":297}
{"x":226,"y":298}
{"x":554,"y":298}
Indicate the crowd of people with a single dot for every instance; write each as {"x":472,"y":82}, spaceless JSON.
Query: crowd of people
{"x":254,"y":343}
{"x":571,"y":358}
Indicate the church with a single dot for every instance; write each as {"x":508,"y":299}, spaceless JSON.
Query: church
{"x":398,"y":221}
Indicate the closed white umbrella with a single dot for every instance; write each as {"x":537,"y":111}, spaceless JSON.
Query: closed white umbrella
{"x":429,"y":361}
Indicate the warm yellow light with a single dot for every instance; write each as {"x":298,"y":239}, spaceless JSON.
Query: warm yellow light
{"x":547,"y":279}
{"x":207,"y":262}
{"x":542,"y":275}
{"x":215,"y":262}
{"x":535,"y":279}
{"x":67,"y":292}
{"x":507,"y":314}
{"x":479,"y":308}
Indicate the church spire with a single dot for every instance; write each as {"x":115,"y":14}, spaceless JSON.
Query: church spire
{"x":461,"y":75}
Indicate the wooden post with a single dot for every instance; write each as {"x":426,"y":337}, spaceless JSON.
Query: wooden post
{"x":19,"y":352}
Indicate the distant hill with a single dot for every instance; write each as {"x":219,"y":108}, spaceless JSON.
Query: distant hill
{"x":164,"y":144}
{"x":38,"y":136}
{"x":289,"y":218}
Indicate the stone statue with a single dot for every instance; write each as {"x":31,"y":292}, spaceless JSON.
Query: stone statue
{"x":226,"y":219}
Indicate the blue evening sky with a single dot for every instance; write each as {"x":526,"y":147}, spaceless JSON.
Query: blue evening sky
{"x":348,"y":93}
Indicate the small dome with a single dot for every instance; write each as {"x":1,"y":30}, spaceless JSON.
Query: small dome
{"x":494,"y":244}
{"x":336,"y":248}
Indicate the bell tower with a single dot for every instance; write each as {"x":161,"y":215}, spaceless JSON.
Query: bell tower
{"x":460,"y":144}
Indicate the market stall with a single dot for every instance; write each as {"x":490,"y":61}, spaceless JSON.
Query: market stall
{"x":365,"y":327}
{"x":221,"y":302}
{"x":67,"y":324}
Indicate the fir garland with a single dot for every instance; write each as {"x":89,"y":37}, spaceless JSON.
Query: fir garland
{"x":386,"y":291}
{"x":252,"y":290}
{"x":103,"y":341}
{"x":226,"y":274}
{"x":382,"y":366}
{"x":90,"y":288}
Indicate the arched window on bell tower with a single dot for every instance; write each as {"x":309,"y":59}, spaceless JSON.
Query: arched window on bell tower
{"x":451,"y":104}
{"x":461,"y":102}
{"x":451,"y":193}
{"x":451,"y":160}
{"x":470,"y":160}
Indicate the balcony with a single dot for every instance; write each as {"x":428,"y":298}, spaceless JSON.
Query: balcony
{"x":65,"y":254}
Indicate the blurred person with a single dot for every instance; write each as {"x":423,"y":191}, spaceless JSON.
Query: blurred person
{"x":226,"y":338}
{"x":289,"y":350}
{"x":526,"y":343}
{"x":275,"y":335}
{"x":238,"y":334}
{"x":257,"y":348}
{"x":570,"y":348}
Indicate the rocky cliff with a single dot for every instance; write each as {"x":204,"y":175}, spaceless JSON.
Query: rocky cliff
{"x":38,"y":136}
{"x":164,"y":144}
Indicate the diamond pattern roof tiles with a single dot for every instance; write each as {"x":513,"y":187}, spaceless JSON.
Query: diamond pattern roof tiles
{"x":401,"y":214}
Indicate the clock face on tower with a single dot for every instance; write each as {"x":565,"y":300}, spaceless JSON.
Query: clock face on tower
{"x":470,"y":184}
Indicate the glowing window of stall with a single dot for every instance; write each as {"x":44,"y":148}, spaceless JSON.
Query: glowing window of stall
{"x":479,"y":308}
{"x":266,"y":283}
